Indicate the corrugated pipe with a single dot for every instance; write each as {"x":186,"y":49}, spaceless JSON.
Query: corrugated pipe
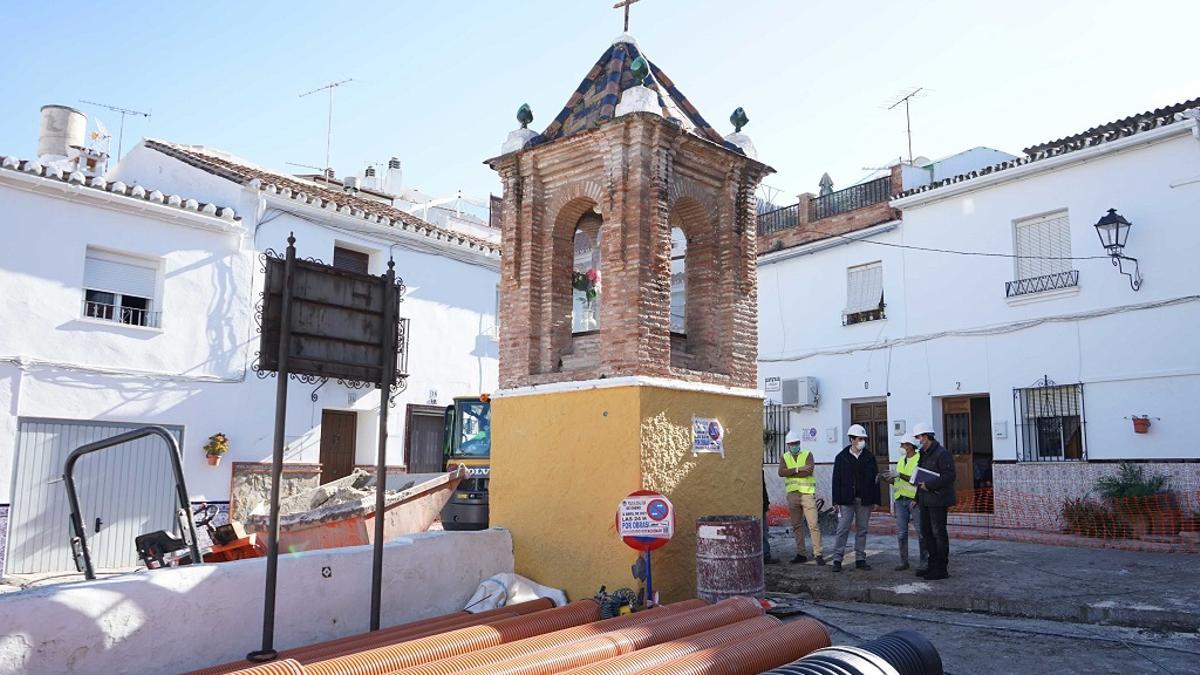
{"x":284,"y":667}
{"x":512,"y":650}
{"x":903,"y":652}
{"x":755,"y":654}
{"x":627,"y":639}
{"x":383,"y":660}
{"x":649,"y":658}
{"x":392,"y":635}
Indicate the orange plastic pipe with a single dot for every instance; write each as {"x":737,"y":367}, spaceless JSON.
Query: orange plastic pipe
{"x":486,"y":658}
{"x":766,"y":650}
{"x":394,"y":634}
{"x":611,"y":644}
{"x":383,"y":660}
{"x":284,"y":667}
{"x":651,"y":657}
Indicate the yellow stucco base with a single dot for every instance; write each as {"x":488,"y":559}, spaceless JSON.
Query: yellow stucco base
{"x":562,"y":462}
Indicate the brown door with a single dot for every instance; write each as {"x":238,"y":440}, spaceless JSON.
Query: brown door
{"x":426,"y":436}
{"x":338,"y":428}
{"x":873,"y":417}
{"x":956,"y":427}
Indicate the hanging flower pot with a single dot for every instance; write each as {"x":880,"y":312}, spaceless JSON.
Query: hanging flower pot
{"x":214,"y":460}
{"x":217,"y":445}
{"x":1141,"y":425}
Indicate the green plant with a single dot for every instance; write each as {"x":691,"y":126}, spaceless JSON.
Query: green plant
{"x":1087,"y":517}
{"x":218,"y":444}
{"x":1131,"y":481}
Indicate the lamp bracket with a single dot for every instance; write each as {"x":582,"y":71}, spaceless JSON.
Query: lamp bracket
{"x":1135,"y":278}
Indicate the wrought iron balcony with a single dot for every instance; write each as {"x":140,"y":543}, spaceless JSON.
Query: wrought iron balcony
{"x":779,"y":219}
{"x":127,"y":315}
{"x":1047,"y":282}
{"x":851,"y":198}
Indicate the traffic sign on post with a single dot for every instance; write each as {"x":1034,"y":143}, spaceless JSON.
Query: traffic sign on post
{"x":646,"y":520}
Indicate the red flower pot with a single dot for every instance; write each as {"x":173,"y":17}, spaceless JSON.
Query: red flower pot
{"x":1141,"y":425}
{"x":213,"y":460}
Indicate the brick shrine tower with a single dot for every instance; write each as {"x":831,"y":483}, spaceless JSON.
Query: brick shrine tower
{"x":628,"y":307}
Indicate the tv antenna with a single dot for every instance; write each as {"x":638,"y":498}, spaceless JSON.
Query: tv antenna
{"x":125,"y":112}
{"x":905,"y":99}
{"x":306,"y":166}
{"x":329,"y":122}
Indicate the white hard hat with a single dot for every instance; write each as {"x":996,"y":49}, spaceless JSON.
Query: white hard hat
{"x":909,"y":440}
{"x":856,"y":430}
{"x":794,"y":436}
{"x":921,"y":428}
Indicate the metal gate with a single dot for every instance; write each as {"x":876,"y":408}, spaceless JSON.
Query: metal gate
{"x":775,"y":428}
{"x":123,"y":492}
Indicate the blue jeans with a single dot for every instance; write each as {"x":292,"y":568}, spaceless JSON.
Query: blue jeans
{"x":906,"y":510}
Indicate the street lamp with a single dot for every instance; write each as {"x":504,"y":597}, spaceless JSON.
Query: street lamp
{"x":1113,"y":230}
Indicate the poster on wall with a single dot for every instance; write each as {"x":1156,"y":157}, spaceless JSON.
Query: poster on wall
{"x":707,"y":436}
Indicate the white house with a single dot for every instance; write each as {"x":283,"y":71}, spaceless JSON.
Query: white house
{"x":989,"y":309}
{"x":128,"y":305}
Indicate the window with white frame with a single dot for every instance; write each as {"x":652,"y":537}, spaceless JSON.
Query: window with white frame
{"x":119,"y":288}
{"x":864,"y":294}
{"x":1042,"y":245}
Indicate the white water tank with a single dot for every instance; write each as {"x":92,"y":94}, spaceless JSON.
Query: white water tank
{"x":61,"y":127}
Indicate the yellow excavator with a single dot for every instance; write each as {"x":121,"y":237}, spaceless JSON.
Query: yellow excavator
{"x":468,"y":444}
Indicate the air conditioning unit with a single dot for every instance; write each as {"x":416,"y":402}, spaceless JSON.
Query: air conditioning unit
{"x":800,"y":392}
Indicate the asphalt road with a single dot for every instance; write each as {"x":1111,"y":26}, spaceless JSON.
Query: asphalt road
{"x":979,"y":644}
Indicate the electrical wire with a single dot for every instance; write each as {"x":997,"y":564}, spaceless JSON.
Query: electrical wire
{"x":995,"y":329}
{"x":986,"y":254}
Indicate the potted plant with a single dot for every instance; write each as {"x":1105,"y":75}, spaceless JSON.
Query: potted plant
{"x":1145,"y":503}
{"x":217,"y":445}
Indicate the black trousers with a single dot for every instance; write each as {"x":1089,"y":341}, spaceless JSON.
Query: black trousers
{"x":935,"y":537}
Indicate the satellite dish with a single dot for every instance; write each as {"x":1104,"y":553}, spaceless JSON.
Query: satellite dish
{"x":922,"y":161}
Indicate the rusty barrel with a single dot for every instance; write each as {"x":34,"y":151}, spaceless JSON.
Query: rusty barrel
{"x":729,"y":557}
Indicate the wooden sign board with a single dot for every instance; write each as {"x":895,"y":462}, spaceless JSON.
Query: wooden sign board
{"x":337,"y":322}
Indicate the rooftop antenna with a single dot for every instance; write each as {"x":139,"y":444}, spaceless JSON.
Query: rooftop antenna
{"x":329,"y":122}
{"x":907,"y":118}
{"x":306,"y":166}
{"x":124,"y":113}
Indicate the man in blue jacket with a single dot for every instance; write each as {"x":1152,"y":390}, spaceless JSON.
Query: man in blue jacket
{"x":855,"y":493}
{"x":935,"y":497}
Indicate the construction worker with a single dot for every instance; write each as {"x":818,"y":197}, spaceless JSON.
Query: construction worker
{"x":798,"y":472}
{"x":904,"y":495}
{"x":935,"y":497}
{"x":855,"y":493}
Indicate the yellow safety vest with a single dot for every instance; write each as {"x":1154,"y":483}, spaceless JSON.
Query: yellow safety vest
{"x":805,"y":485}
{"x":906,"y":466}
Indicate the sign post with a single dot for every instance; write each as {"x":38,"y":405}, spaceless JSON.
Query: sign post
{"x":646,"y":521}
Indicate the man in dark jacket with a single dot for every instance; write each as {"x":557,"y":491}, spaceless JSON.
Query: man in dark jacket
{"x":855,"y":493}
{"x":768,"y":559}
{"x":935,"y":497}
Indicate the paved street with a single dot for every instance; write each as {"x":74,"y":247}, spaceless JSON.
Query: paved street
{"x":976,"y":643}
{"x":1157,"y":591}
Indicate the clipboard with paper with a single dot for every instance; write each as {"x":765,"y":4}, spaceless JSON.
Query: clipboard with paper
{"x":924,"y":476}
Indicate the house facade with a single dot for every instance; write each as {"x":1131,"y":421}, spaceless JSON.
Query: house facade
{"x":989,"y":308}
{"x":131,"y":300}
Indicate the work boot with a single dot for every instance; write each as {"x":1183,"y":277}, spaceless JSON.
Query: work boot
{"x":799,"y":559}
{"x":935,"y":575}
{"x":861,"y":565}
{"x":770,"y":560}
{"x":901,"y":567}
{"x":837,"y":565}
{"x":820,"y":560}
{"x":922,"y":571}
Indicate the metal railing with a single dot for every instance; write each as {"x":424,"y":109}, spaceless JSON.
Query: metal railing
{"x":1051,"y":423}
{"x":775,"y":428}
{"x":1046,"y":282}
{"x":851,"y":198}
{"x":127,"y":315}
{"x":779,"y":219}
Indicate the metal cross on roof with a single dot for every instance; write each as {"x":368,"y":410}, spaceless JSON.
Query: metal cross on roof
{"x":625,"y":4}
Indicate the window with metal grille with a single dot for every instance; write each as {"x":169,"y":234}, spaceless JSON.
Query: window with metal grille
{"x":1050,"y":422}
{"x":864,"y":294}
{"x":119,"y":288}
{"x":351,"y":260}
{"x":1043,"y":250}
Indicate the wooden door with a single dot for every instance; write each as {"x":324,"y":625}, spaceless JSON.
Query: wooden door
{"x":338,"y":429}
{"x":425,"y":438}
{"x":956,"y":427}
{"x":873,"y":417}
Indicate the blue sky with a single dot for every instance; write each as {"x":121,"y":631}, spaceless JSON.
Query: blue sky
{"x":438,"y":83}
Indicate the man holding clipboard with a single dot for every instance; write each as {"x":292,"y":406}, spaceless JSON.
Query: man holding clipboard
{"x":934,"y":478}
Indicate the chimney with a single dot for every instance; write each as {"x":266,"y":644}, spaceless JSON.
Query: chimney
{"x":370,"y":180}
{"x":393,"y":180}
{"x":350,"y":184}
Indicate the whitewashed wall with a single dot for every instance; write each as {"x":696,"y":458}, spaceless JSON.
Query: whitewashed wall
{"x":1132,"y":362}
